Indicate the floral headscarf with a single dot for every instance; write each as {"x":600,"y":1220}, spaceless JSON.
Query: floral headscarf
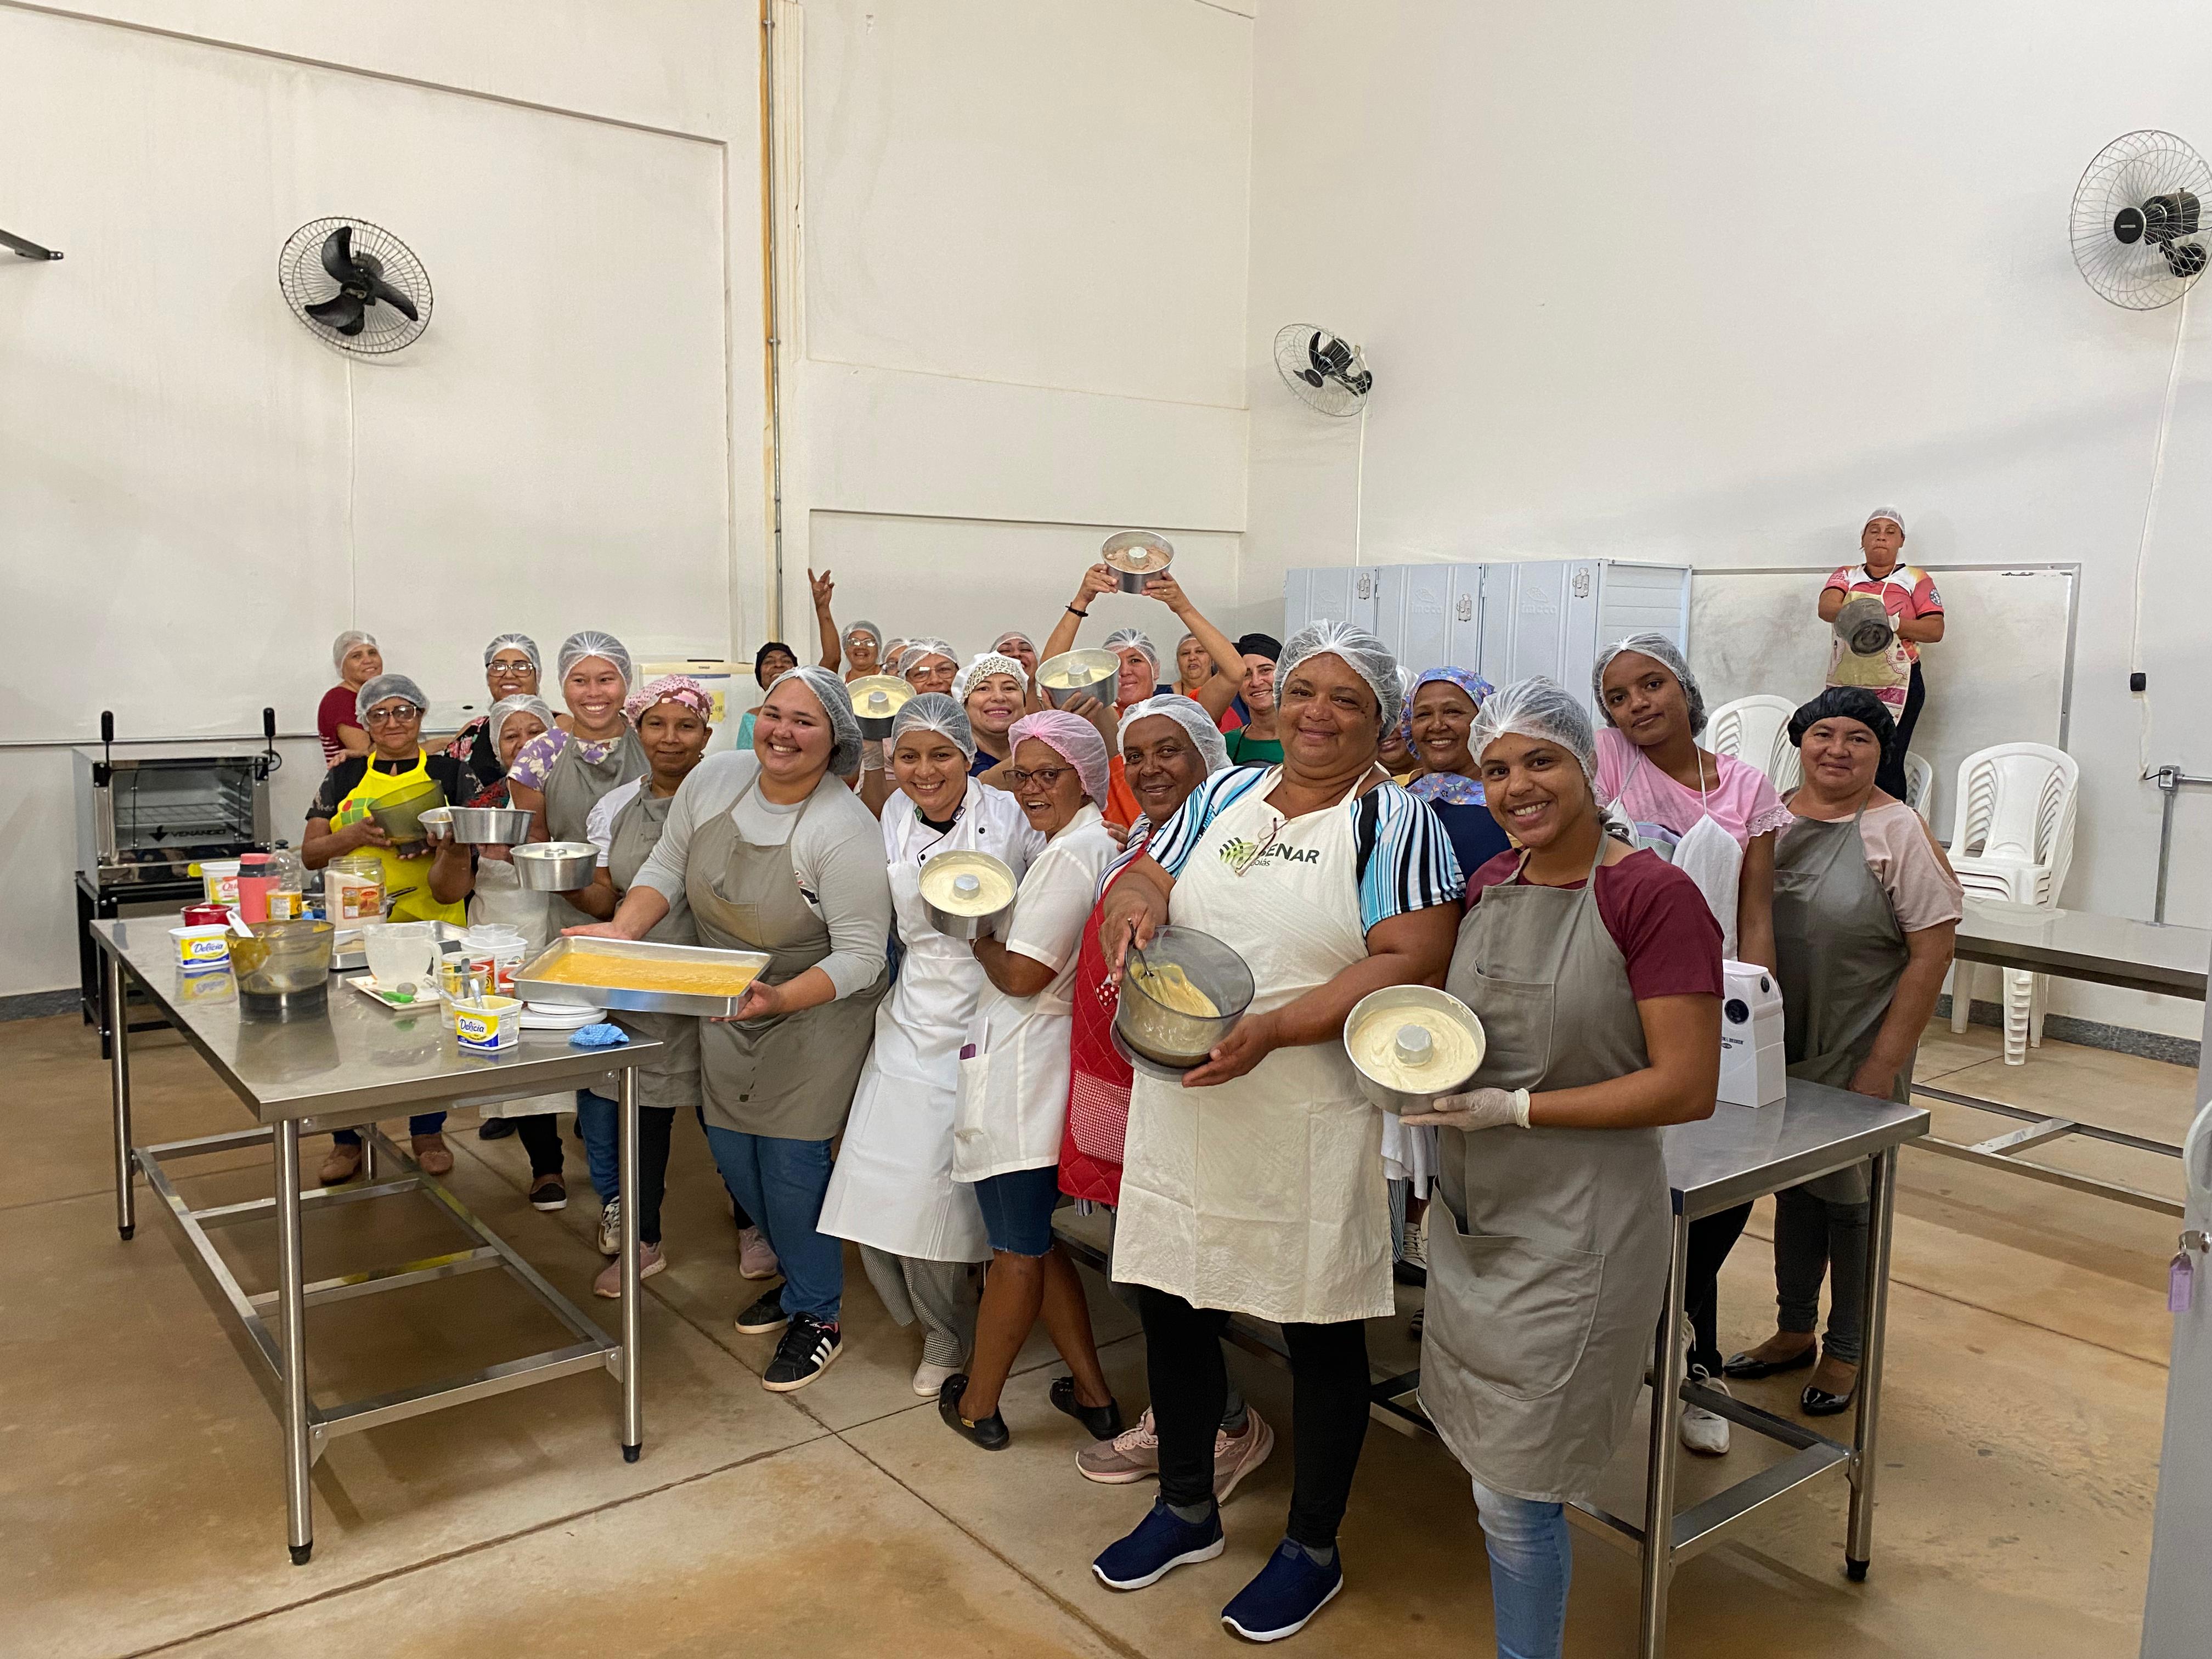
{"x":1445,"y":788}
{"x":670,"y":688}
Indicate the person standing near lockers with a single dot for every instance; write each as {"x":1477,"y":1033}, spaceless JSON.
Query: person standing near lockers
{"x":1866,"y":920}
{"x":1596,"y":970}
{"x":1717,"y":819}
{"x":1916,"y":617}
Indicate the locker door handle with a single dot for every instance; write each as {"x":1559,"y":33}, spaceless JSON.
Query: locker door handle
{"x":1466,"y":611}
{"x":1366,"y":586}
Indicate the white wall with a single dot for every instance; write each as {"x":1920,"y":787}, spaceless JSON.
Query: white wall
{"x":576,"y":442}
{"x":1704,"y":286}
{"x":1016,"y":321}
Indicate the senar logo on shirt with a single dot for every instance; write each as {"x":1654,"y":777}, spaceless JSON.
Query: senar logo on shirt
{"x":1242,"y":856}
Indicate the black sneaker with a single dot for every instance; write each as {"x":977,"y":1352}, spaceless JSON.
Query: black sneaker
{"x":495,"y":1128}
{"x":809,"y":1348}
{"x":548,"y":1192}
{"x":764,"y":1315}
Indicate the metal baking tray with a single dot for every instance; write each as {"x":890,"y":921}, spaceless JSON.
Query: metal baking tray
{"x":530,"y":986}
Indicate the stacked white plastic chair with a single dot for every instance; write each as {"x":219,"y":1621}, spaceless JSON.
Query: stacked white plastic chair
{"x":1756,"y":729}
{"x":2012,"y":839}
{"x":1920,"y":786}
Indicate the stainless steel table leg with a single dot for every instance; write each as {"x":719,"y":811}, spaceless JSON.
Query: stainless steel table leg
{"x":1659,"y":1474}
{"x":119,"y":1073}
{"x":1858,"y":1548}
{"x":633,"y":1440}
{"x":292,"y":1342}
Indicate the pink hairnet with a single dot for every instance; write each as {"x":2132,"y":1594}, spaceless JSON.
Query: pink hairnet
{"x":1075,"y":740}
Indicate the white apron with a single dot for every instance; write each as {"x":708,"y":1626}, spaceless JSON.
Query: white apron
{"x":1264,"y":1195}
{"x":893,"y":1185}
{"x":1708,"y":855}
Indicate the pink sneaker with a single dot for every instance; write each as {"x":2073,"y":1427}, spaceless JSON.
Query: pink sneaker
{"x":1133,"y":1455}
{"x":649,"y":1262}
{"x":755,"y":1259}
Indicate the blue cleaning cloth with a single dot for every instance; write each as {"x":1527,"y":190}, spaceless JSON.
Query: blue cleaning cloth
{"x":602,"y":1035}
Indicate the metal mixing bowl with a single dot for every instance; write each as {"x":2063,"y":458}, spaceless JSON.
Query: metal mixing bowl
{"x":1168,"y":1037}
{"x":1135,"y":556}
{"x":490,"y":826}
{"x":1434,"y":1009}
{"x":1092,"y":672}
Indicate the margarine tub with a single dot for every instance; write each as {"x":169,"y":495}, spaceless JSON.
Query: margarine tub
{"x":1410,"y":1044}
{"x":966,"y":893}
{"x":219,"y":880}
{"x":488,"y":1026}
{"x":876,"y":699}
{"x":202,"y":949}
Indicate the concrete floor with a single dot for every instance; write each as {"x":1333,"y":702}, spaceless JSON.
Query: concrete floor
{"x":141,"y":1506}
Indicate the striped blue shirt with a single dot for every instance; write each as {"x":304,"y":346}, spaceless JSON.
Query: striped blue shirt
{"x":1406,"y":859}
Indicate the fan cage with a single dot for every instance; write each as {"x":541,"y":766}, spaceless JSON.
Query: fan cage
{"x":1294,"y":363}
{"x":301,"y":275}
{"x":2148,"y":174}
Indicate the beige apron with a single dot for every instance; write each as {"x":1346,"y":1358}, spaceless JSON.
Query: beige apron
{"x":791,"y":1076}
{"x":1264,"y":1195}
{"x":1838,"y":950}
{"x":671,"y":1077}
{"x":1548,"y":1266}
{"x":573,"y":788}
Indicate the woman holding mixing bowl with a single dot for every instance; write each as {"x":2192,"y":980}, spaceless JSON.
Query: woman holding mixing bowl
{"x":560,"y":776}
{"x":920,"y":1231}
{"x":1595,"y":971}
{"x":1255,"y":1185}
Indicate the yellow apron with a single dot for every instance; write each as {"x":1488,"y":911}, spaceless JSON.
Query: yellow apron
{"x":410,"y":879}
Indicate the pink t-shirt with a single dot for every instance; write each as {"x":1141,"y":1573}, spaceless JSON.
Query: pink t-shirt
{"x":1738,"y":797}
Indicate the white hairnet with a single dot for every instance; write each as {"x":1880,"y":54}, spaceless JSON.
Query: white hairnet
{"x":870,"y":629}
{"x":933,"y":711}
{"x":917,"y":649}
{"x":521,"y":642}
{"x":383,"y":689}
{"x":1205,"y":735}
{"x":991,"y":662}
{"x":1888,"y":512}
{"x":345,"y":642}
{"x":1134,"y":639}
{"x":1662,"y":650}
{"x":1000,"y":644}
{"x":1536,"y":707}
{"x":1360,"y":651}
{"x":508,"y":708}
{"x":837,"y":704}
{"x":577,"y":647}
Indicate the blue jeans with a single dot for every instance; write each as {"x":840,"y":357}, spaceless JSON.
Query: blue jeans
{"x":780,"y":1184}
{"x":1531,"y":1561}
{"x":599,"y":1120}
{"x":423,"y":1123}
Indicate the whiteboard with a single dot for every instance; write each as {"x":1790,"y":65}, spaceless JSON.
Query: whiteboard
{"x":2003,"y":672}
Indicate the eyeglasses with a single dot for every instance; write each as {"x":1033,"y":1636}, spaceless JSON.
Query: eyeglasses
{"x":1045,"y":777}
{"x":406,"y":714}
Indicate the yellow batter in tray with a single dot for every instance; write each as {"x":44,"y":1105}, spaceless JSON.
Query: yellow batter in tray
{"x":614,"y":973}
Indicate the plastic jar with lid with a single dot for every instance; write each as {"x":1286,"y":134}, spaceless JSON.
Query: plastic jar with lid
{"x":353,"y":888}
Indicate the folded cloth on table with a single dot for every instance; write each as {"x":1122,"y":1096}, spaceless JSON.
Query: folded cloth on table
{"x":602,"y":1035}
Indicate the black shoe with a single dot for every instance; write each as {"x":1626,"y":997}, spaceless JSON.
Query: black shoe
{"x":990,"y":1432}
{"x":1104,"y":1421}
{"x":495,"y":1128}
{"x":764,"y":1315}
{"x":548,"y":1192}
{"x":1818,"y":1402}
{"x":1743,"y":1365}
{"x":809,"y":1348}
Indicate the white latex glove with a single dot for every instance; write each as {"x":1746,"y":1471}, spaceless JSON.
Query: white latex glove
{"x":872,"y":755}
{"x":1477,"y":1108}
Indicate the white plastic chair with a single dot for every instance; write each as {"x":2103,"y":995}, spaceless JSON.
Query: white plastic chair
{"x":1920,"y":785}
{"x":1756,"y":729}
{"x":2012,"y":839}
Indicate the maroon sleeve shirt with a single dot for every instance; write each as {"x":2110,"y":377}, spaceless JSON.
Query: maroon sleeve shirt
{"x":1655,"y":914}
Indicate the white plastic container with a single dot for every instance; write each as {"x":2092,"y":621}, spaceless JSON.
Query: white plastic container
{"x":202,"y":950}
{"x":1754,"y":1071}
{"x":487,"y":1026}
{"x":492,"y":953}
{"x":219,"y":877}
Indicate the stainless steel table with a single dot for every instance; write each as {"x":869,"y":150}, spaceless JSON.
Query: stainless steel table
{"x":346,"y":1070}
{"x":2135,"y":956}
{"x":1738,"y":1154}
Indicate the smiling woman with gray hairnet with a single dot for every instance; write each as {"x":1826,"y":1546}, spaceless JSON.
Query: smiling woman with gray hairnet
{"x":558,"y":776}
{"x":355,"y":655}
{"x":511,"y":669}
{"x":774,"y":853}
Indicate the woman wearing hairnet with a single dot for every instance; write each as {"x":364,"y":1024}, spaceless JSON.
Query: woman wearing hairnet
{"x":421,"y":882}
{"x":511,"y":669}
{"x":1013,"y":1088}
{"x":992,"y":692}
{"x":1168,"y":747}
{"x":864,"y":651}
{"x":358,"y":661}
{"x":1866,"y":918}
{"x":558,"y":777}
{"x":1255,"y":1185}
{"x":893,"y":1194}
{"x":1595,"y":971}
{"x":929,"y":664}
{"x":1717,"y":816}
{"x":1440,"y":710}
{"x":774,"y":853}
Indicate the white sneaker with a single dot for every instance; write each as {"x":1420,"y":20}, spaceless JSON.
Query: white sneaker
{"x":928,"y":1379}
{"x":611,"y":1227}
{"x":1703,"y":1432}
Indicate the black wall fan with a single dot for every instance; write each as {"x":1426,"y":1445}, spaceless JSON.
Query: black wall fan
{"x":1329,"y":372}
{"x":355,"y":285}
{"x":2138,"y":215}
